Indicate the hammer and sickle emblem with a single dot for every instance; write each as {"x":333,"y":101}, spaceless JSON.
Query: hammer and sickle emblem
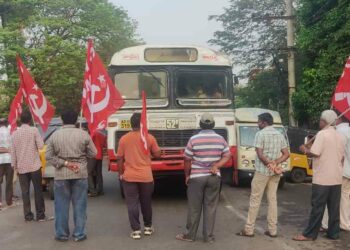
{"x":341,"y":96}
{"x":38,"y":111}
{"x":101,"y":105}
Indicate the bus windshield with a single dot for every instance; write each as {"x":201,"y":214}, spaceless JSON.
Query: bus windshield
{"x":201,"y":85}
{"x":247,"y":134}
{"x":131,"y":84}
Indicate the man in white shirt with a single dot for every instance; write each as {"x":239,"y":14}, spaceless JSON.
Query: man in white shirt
{"x":5,"y":163}
{"x":343,"y":128}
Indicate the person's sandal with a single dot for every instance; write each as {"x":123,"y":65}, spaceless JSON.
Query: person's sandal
{"x":182,"y":237}
{"x":148,"y":231}
{"x":136,"y":235}
{"x":244,"y":234}
{"x":267,"y":233}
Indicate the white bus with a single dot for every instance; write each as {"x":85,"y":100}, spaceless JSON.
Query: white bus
{"x":181,"y":83}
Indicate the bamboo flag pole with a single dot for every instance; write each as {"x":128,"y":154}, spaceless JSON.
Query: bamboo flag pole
{"x":81,"y":118}
{"x":341,"y":115}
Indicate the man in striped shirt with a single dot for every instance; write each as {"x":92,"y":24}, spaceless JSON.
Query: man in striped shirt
{"x":205,"y":154}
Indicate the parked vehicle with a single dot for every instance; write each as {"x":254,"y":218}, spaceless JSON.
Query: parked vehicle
{"x":181,"y":83}
{"x":301,"y":165}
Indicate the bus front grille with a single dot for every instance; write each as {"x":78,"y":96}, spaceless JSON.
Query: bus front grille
{"x":171,"y":138}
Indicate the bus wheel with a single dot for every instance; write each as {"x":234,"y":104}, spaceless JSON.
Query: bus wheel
{"x":298,"y":175}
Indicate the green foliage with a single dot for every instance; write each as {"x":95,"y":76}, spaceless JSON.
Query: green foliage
{"x":266,"y":89}
{"x":257,"y":45}
{"x":323,"y":38}
{"x":252,"y":38}
{"x":51,"y":36}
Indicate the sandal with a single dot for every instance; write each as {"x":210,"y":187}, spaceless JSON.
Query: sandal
{"x":267,"y":233}
{"x":244,"y":234}
{"x":302,"y":238}
{"x":136,"y":235}
{"x":182,"y":237}
{"x":148,"y":231}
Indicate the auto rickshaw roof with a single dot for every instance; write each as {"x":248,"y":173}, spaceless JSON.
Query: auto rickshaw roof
{"x":251,"y":115}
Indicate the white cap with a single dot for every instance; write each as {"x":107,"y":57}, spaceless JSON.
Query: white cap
{"x":207,"y":118}
{"x":329,"y":116}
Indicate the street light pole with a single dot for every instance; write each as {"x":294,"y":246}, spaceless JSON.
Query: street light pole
{"x":291,"y":59}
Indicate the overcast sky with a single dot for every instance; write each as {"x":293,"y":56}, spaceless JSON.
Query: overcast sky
{"x":174,"y":21}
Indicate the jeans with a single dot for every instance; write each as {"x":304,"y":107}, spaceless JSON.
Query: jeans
{"x":203,"y":194}
{"x":24,"y":180}
{"x":323,"y":196}
{"x":67,"y":191}
{"x":139,"y":194}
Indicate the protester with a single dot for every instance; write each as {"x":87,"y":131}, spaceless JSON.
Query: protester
{"x":5,"y":163}
{"x":68,"y":150}
{"x":136,"y":176}
{"x":204,"y":155}
{"x":328,"y":153}
{"x":95,"y":165}
{"x":342,"y":126}
{"x":272,"y":150}
{"x":25,"y":146}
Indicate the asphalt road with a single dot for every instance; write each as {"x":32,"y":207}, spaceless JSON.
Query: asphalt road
{"x":108,"y":226}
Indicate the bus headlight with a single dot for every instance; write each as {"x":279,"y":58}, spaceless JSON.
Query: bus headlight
{"x":245,"y":163}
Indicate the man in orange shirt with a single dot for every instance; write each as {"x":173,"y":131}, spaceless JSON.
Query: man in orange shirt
{"x":136,"y":176}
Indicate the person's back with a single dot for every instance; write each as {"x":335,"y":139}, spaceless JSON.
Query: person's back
{"x":26,"y":143}
{"x":205,"y":148}
{"x":328,"y":167}
{"x":137,"y":163}
{"x":71,"y":143}
{"x":68,"y":150}
{"x":25,"y":160}
{"x":135,"y":173}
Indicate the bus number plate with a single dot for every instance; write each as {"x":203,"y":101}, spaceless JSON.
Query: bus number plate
{"x":125,"y":124}
{"x":172,"y":123}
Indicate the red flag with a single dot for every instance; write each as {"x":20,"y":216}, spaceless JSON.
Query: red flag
{"x":100,"y":96}
{"x":143,"y":124}
{"x":16,"y":109}
{"x":41,"y":109}
{"x":341,"y":97}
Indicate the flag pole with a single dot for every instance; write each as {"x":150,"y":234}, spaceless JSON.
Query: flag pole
{"x":81,"y":119}
{"x":339,"y":116}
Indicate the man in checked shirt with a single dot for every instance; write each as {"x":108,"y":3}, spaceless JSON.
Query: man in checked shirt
{"x":24,"y":149}
{"x":68,"y":150}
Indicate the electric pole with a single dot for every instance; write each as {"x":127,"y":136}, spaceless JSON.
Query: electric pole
{"x":291,"y":59}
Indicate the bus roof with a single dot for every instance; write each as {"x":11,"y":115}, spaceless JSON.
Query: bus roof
{"x":251,"y":115}
{"x":169,"y":55}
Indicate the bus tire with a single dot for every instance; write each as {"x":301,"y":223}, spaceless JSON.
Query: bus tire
{"x":298,"y":175}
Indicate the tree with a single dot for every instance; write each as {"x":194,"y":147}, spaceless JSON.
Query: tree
{"x":323,"y":40}
{"x":50,"y":36}
{"x":250,"y":33}
{"x":255,"y":36}
{"x":265,"y":89}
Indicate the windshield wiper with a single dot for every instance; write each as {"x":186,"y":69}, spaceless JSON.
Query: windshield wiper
{"x":153,"y":76}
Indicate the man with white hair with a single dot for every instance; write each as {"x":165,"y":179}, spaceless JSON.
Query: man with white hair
{"x":328,"y":154}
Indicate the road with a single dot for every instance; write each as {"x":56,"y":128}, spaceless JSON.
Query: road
{"x":108,"y":226}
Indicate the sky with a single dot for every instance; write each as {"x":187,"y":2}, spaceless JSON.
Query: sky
{"x":174,"y":21}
